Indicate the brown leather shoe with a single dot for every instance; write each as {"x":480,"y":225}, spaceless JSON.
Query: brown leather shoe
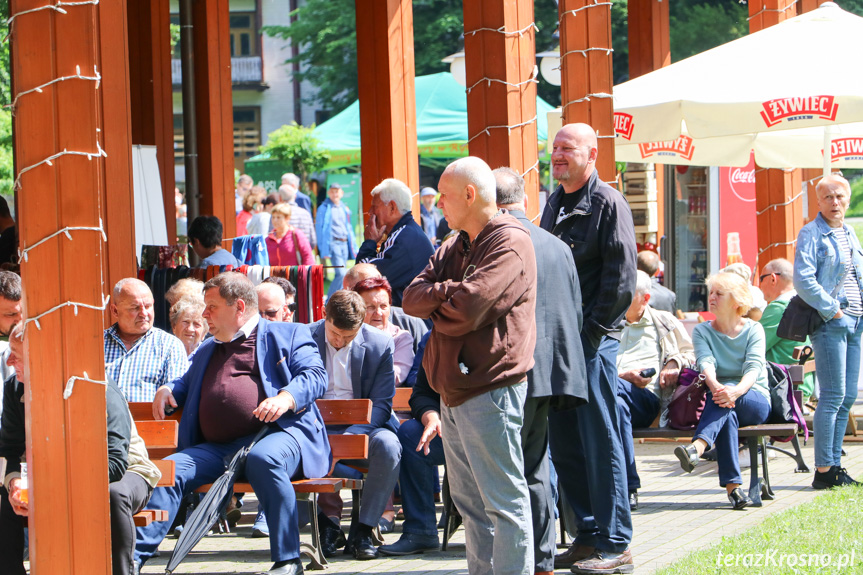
{"x":576,"y":552}
{"x":605,"y":562}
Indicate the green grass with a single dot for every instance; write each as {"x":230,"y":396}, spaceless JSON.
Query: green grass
{"x":830,"y":525}
{"x":858,"y":228}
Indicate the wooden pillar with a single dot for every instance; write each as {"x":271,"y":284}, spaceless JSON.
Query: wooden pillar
{"x":777,"y":228}
{"x":649,"y":50}
{"x":508,"y":59}
{"x":388,"y":125}
{"x":66,"y":439}
{"x":214,"y":112}
{"x":586,"y":74}
{"x":118,"y":201}
{"x":152,"y":102}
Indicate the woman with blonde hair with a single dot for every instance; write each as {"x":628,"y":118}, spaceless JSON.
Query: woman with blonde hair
{"x":187,"y":321}
{"x":286,"y":245}
{"x":729,"y":351}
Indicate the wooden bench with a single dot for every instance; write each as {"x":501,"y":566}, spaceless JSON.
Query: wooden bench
{"x":759,"y":487}
{"x":335,"y":412}
{"x":160,"y":437}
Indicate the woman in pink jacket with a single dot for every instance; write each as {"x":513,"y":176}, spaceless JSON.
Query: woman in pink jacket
{"x":286,"y":245}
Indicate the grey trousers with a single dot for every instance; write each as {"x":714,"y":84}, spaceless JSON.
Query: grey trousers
{"x":128,"y":496}
{"x":485,"y":467}
{"x":534,"y":445}
{"x":385,"y":454}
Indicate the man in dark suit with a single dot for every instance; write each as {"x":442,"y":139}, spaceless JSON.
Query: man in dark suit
{"x":359,"y":363}
{"x":661,"y":297}
{"x":557,"y":378}
{"x":251,"y":373}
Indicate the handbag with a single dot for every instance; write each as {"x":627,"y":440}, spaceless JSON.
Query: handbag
{"x":687,"y":402}
{"x":800,"y":320}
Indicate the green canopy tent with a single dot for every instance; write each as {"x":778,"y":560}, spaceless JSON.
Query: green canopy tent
{"x":441,"y":109}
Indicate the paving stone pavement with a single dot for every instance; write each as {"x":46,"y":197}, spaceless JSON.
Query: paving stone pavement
{"x":676,"y":509}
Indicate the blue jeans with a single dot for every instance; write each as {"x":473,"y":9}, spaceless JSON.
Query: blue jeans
{"x":636,"y":407}
{"x":338,"y":258}
{"x":587,"y":453}
{"x":485,"y":466}
{"x":837,"y":364}
{"x":270,"y":466}
{"x":719,"y":425}
{"x":417,"y":478}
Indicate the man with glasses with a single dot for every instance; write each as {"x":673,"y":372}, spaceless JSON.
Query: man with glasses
{"x":273,"y":302}
{"x":777,"y":285}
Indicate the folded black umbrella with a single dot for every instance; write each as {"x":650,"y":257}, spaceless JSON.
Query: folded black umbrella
{"x":211,"y":506}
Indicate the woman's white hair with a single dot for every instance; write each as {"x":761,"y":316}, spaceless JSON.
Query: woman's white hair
{"x":393,"y":190}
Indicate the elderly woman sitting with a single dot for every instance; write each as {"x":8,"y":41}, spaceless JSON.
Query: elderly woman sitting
{"x":378,"y":296}
{"x":730,"y":352}
{"x":187,"y":323}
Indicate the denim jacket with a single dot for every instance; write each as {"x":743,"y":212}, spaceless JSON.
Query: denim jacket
{"x":819,"y":266}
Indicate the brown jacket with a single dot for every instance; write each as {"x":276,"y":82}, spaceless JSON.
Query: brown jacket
{"x":481,"y":298}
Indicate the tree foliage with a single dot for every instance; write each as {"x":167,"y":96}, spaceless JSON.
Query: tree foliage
{"x":295,"y":146}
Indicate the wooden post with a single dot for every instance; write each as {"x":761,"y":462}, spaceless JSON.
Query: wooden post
{"x":152,"y":103}
{"x":779,"y":225}
{"x":214,"y":112}
{"x":388,"y":126}
{"x":508,"y":59}
{"x":586,"y":74}
{"x":66,"y":439}
{"x":649,"y":50}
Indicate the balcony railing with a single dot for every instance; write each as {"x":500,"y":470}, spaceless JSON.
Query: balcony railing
{"x":247,"y":70}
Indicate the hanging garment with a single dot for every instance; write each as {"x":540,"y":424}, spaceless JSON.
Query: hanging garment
{"x":251,"y":250}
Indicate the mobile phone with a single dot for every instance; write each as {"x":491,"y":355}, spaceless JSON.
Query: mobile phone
{"x":649,"y":372}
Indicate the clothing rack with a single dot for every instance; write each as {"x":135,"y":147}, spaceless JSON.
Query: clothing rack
{"x":308,"y":281}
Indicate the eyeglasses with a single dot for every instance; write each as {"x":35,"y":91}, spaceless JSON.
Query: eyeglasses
{"x":761,"y":278}
{"x":269,"y":314}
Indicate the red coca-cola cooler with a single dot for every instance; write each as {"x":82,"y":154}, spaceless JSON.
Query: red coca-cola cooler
{"x":702,"y":206}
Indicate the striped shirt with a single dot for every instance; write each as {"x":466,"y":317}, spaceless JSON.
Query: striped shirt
{"x":851,"y":287}
{"x":155,"y":359}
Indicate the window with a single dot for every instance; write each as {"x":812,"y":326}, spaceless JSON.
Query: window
{"x":244,"y":36}
{"x":247,"y":133}
{"x":179,"y":141}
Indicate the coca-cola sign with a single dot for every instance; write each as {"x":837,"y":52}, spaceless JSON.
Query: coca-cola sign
{"x":682,"y":147}
{"x":741,"y":181}
{"x":623,"y":125}
{"x":791,"y":109}
{"x":846,"y":149}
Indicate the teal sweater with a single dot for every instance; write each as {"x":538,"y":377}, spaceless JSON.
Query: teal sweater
{"x":733,"y":357}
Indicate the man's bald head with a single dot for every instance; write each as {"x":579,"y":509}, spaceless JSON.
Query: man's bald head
{"x":359,"y":273}
{"x":132,"y":308}
{"x":468,"y":195}
{"x":573,"y":156}
{"x":272,"y":303}
{"x":473,"y":171}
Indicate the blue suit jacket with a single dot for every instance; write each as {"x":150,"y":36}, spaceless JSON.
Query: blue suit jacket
{"x":372,"y":373}
{"x":289,"y":361}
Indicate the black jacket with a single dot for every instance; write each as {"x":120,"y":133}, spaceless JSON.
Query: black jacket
{"x":403,"y":255}
{"x":559,"y":371}
{"x":13,"y":438}
{"x":601,"y":235}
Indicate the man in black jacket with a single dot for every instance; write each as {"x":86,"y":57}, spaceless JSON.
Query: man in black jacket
{"x":595,"y":221}
{"x":557,"y":380}
{"x":406,"y":251}
{"x":129,"y":492}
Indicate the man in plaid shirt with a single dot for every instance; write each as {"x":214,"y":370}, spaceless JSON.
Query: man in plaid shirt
{"x":139,"y":357}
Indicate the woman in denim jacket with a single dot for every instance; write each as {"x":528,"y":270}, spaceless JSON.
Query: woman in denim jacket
{"x":828,"y":275}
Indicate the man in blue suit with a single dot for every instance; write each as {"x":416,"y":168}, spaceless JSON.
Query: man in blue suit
{"x":251,"y":373}
{"x":359,"y":364}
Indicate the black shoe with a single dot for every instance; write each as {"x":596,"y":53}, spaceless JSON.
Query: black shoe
{"x":633,"y":500}
{"x":738,"y":499}
{"x":291,"y":567}
{"x":688,"y":457}
{"x":409,"y":544}
{"x":834,"y":477}
{"x":846,"y":479}
{"x":332,"y":537}
{"x":361,"y":546}
{"x":386,"y":526}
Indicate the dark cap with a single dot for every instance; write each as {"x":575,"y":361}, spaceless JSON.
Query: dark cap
{"x":336,"y":185}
